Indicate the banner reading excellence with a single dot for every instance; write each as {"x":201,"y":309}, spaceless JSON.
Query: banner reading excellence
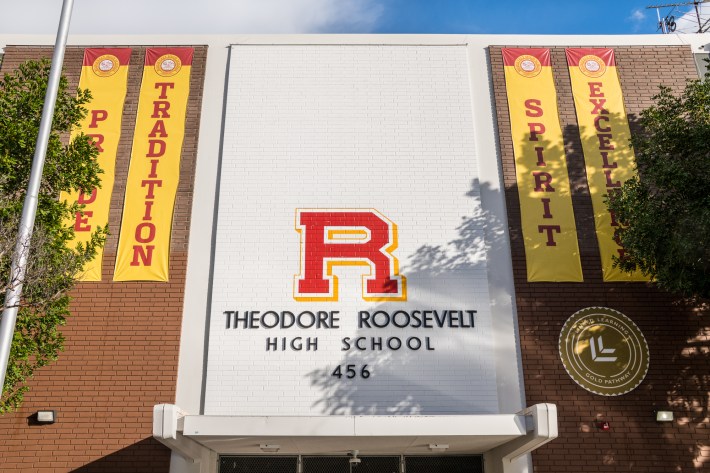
{"x":605,"y":134}
{"x":144,"y":241}
{"x":105,"y":73}
{"x":549,"y":231}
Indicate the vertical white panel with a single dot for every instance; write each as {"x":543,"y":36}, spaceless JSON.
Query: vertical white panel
{"x":332,"y":127}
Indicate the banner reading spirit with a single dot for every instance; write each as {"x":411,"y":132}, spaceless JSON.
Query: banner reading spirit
{"x":605,"y":134}
{"x":105,"y":73}
{"x":549,"y":232}
{"x":144,"y":241}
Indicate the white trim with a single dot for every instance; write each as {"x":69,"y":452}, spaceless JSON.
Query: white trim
{"x":188,"y":391}
{"x":501,"y":287}
{"x":696,"y":41}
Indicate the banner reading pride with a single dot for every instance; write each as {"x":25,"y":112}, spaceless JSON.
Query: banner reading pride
{"x":105,"y":73}
{"x":144,"y":242}
{"x":604,"y":129}
{"x":549,"y":231}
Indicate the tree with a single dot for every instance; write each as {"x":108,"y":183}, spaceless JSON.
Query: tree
{"x":665,"y":211}
{"x":54,"y":261}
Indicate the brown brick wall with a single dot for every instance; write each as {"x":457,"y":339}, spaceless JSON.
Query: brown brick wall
{"x":122,"y":339}
{"x":678,"y":335}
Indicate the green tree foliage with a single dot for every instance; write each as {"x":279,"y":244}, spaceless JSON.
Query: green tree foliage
{"x":665,"y":211}
{"x":54,"y":260}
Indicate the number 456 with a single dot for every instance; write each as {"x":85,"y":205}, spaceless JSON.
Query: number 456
{"x":350,"y":371}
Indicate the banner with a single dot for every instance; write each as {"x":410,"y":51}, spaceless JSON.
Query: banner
{"x":144,"y":241}
{"x":605,"y":134}
{"x":105,"y":73}
{"x":549,"y":231}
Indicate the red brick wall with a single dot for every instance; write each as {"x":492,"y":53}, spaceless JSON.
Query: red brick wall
{"x":122,"y":339}
{"x":678,"y":335}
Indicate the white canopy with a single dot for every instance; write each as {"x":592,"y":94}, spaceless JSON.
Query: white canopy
{"x":501,"y":438}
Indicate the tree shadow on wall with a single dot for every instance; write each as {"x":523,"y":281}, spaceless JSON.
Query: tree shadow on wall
{"x":408,"y":382}
{"x":678,"y":336}
{"x":146,"y":456}
{"x":688,"y":394}
{"x":683,"y":350}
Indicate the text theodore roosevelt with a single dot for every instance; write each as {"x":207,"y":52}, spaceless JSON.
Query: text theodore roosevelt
{"x":330,"y":320}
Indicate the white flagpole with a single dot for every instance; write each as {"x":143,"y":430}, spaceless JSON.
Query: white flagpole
{"x":29,"y":210}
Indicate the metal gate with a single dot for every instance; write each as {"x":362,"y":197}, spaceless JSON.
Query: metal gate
{"x":444,"y":464}
{"x":343,"y":464}
{"x":258,"y":464}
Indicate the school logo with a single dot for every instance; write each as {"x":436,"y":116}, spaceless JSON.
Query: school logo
{"x":347,"y":237}
{"x":592,"y":66}
{"x":106,"y":65}
{"x":604,"y":351}
{"x":527,"y":65}
{"x":168,"y":65}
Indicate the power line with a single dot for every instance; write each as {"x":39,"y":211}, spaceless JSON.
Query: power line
{"x":676,"y":4}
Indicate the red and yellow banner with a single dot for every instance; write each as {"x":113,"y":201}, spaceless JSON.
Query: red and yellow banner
{"x":144,"y":242}
{"x":105,"y":73}
{"x":549,"y":231}
{"x":604,"y":129}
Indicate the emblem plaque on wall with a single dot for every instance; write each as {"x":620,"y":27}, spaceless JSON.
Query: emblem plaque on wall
{"x":604,"y":351}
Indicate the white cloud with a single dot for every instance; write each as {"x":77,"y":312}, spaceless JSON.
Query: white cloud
{"x":637,"y":16}
{"x":190,"y":16}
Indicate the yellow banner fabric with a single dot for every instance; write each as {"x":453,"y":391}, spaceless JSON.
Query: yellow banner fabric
{"x":604,"y":129}
{"x":549,"y":231}
{"x":105,"y":74}
{"x":146,"y":226}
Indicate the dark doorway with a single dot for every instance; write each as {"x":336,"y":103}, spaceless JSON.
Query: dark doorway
{"x":258,"y":464}
{"x":343,"y":464}
{"x":447,"y":464}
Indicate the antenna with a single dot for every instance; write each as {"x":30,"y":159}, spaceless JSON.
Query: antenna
{"x":668,"y":24}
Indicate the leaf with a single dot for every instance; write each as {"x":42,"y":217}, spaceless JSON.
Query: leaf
{"x":53,"y":260}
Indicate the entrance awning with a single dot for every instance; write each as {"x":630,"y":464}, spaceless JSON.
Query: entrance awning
{"x":503,"y":436}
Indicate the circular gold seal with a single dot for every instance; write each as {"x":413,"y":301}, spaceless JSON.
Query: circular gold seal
{"x":168,"y":65}
{"x":592,"y":66}
{"x":527,"y":65}
{"x":604,"y":351}
{"x":106,"y":65}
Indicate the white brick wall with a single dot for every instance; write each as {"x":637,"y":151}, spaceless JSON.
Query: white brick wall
{"x":384,"y":127}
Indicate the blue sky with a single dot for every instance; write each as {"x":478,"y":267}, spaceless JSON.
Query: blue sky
{"x":334,"y":16}
{"x":518,"y":17}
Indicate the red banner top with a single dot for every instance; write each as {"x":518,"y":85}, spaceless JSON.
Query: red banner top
{"x":92,"y":54}
{"x":575,"y":55}
{"x":184,"y":54}
{"x":510,"y":55}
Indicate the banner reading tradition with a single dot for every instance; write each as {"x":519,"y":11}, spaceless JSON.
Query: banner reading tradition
{"x":549,"y":231}
{"x":105,"y":73}
{"x":144,"y":241}
{"x":604,"y":129}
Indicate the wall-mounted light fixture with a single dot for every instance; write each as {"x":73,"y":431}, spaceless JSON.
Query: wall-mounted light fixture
{"x":269,"y":448}
{"x":664,"y":416}
{"x":45,"y":417}
{"x":438,"y":447}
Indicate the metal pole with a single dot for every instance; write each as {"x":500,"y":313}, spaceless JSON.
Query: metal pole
{"x":660,"y":22}
{"x":29,"y":211}
{"x":697,"y":13}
